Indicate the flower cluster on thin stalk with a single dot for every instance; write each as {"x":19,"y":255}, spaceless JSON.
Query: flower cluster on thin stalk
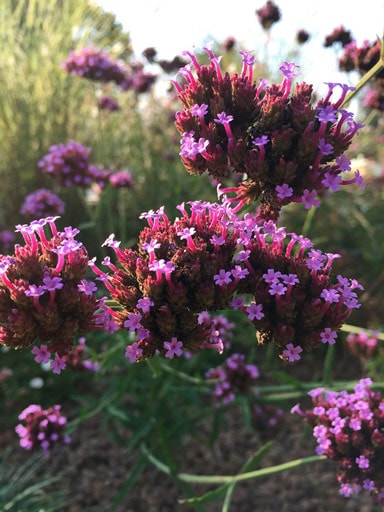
{"x":164,"y":285}
{"x":349,"y":429}
{"x":98,"y":66}
{"x":220,"y":327}
{"x":108,"y":103}
{"x":268,"y":15}
{"x":363,"y":344}
{"x":42,"y":203}
{"x":45,"y":296}
{"x":288,"y":149}
{"x":77,"y":359}
{"x":69,"y":165}
{"x":234,"y":377}
{"x":42,"y":429}
{"x":210,"y":260}
{"x":362,"y":59}
{"x":95,"y":65}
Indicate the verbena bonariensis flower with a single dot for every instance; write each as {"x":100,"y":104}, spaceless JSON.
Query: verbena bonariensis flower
{"x":220,"y":325}
{"x":108,"y":103}
{"x":296,"y":302}
{"x":338,"y":35}
{"x":42,"y":428}
{"x":42,"y":203}
{"x":362,"y":344}
{"x":95,"y":65}
{"x":45,"y":296}
{"x":288,"y":149}
{"x":268,"y":14}
{"x":76,"y":358}
{"x":361,"y":58}
{"x":139,"y":80}
{"x":349,"y":429}
{"x":211,"y":260}
{"x":164,"y":285}
{"x":69,"y":164}
{"x":234,"y":377}
{"x":121,"y":179}
{"x":302,"y":36}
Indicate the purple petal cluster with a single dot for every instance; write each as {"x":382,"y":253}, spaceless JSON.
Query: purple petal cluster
{"x":121,"y":179}
{"x":234,"y":377}
{"x":288,"y":149}
{"x":210,"y":260}
{"x":77,"y":359}
{"x":42,"y":203}
{"x":44,"y":294}
{"x":42,"y":428}
{"x":268,"y":14}
{"x":349,"y":429}
{"x":108,"y":103}
{"x":95,"y":65}
{"x":69,"y":165}
{"x":338,"y":35}
{"x":362,"y":59}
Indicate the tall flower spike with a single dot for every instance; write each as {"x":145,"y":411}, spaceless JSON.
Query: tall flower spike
{"x":306,"y":141}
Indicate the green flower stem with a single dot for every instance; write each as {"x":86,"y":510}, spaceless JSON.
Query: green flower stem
{"x":226,"y":479}
{"x":289,"y":392}
{"x":367,"y":77}
{"x":328,"y":365}
{"x":308,"y":221}
{"x":356,"y":330}
{"x":112,"y":304}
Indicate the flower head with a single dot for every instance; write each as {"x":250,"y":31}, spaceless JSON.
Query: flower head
{"x":41,"y":428}
{"x":69,"y":165}
{"x":286,"y":148}
{"x":42,"y":203}
{"x":43,"y":294}
{"x":234,"y":377}
{"x":348,"y":428}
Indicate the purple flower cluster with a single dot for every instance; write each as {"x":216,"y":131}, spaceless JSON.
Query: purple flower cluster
{"x":363,"y":58}
{"x":268,"y":15}
{"x":108,"y":103}
{"x":220,"y":327}
{"x":69,"y":165}
{"x":362,"y":344}
{"x":44,"y":294}
{"x":121,"y":179}
{"x":338,"y":35}
{"x":95,"y":65}
{"x":231,"y":378}
{"x":210,"y":260}
{"x":164,"y":285}
{"x":288,"y":149}
{"x":76,"y":358}
{"x":98,"y":66}
{"x":139,"y":80}
{"x":42,"y":203}
{"x":349,"y":429}
{"x":41,"y":428}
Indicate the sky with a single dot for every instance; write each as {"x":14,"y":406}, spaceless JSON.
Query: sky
{"x":172,"y":26}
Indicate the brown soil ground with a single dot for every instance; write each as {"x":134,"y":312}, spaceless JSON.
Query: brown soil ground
{"x":93,"y":468}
